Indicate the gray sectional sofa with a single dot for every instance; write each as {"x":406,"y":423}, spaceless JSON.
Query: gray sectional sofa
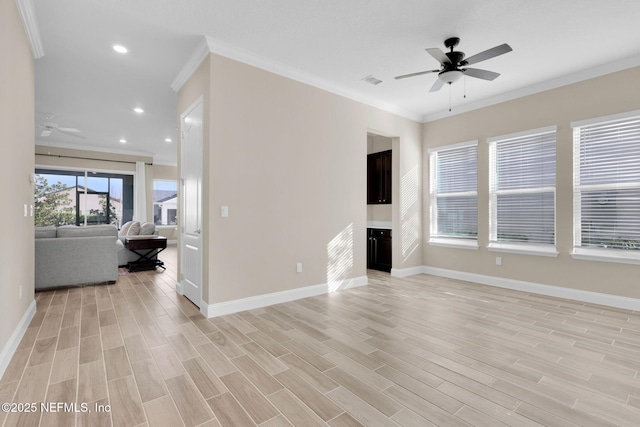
{"x":71,"y":255}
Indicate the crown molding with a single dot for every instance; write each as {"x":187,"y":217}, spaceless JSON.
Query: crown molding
{"x":209,"y":45}
{"x":565,"y":80}
{"x":28,"y":15}
{"x":198,"y":55}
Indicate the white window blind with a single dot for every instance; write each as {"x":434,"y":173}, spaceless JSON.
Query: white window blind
{"x":453,"y":191}
{"x":607,"y":184}
{"x":522,"y":189}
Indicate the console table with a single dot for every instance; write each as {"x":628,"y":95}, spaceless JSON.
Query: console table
{"x":146,"y":247}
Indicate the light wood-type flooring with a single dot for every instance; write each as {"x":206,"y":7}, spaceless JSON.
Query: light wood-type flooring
{"x":418,"y":351}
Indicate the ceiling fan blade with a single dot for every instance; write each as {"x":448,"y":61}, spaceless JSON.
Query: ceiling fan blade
{"x":436,"y":86}
{"x":70,"y":130}
{"x":438,"y":55}
{"x":489,"y":53}
{"x":46,"y":132}
{"x":481,"y":74}
{"x":416,"y":74}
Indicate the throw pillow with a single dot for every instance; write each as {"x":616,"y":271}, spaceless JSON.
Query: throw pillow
{"x":147,"y":229}
{"x":134,"y":230}
{"x":125,"y":228}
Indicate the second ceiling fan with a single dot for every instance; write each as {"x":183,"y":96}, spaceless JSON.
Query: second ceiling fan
{"x":454,"y":65}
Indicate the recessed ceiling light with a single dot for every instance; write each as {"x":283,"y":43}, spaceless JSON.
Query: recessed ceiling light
{"x":167,"y":140}
{"x":124,"y":141}
{"x":120,"y":49}
{"x":138,"y":110}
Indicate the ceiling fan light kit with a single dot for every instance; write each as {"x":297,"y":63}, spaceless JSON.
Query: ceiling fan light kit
{"x":451,"y":76}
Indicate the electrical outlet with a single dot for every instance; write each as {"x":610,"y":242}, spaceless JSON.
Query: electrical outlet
{"x":299,"y":267}
{"x":498,"y":260}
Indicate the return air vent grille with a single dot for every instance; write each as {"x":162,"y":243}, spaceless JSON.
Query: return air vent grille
{"x":372,"y":80}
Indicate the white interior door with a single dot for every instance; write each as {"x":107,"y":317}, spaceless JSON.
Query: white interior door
{"x":191,"y":181}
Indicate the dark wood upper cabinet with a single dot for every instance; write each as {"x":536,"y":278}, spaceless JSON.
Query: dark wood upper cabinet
{"x":379,"y":178}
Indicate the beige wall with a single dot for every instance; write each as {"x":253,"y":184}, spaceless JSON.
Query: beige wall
{"x":601,"y":96}
{"x":110,"y":162}
{"x":290,"y":162}
{"x":16,"y":163}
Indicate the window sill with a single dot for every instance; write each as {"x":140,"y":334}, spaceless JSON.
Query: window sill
{"x":454,"y":243}
{"x":536,"y":250}
{"x":166,"y":227}
{"x":606,"y":255}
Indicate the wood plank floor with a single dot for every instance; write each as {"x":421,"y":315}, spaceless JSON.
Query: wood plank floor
{"x":418,"y":351}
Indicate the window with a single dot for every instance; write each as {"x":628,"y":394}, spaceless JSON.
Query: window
{"x":453,"y":194}
{"x":165,"y":202}
{"x":82,"y":198}
{"x":522,"y":192}
{"x":606,"y":188}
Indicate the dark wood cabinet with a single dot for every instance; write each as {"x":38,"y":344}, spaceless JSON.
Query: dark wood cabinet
{"x":379,"y":178}
{"x":379,"y":249}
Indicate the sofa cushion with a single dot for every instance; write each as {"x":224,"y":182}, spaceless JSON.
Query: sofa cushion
{"x":46,"y":232}
{"x":88,"y":231}
{"x":125,"y":228}
{"x":134,"y":229}
{"x":147,"y":229}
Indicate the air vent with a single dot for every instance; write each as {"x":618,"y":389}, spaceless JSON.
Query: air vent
{"x":372,"y":80}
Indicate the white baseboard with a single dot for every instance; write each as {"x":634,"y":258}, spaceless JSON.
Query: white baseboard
{"x":404,"y":272}
{"x":15,"y":338}
{"x":249,"y":303}
{"x":537,"y":288}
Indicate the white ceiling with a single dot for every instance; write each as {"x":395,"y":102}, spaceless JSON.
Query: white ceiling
{"x":333,"y":44}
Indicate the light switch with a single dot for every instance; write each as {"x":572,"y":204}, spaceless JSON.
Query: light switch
{"x":26,"y":212}
{"x":224,"y":211}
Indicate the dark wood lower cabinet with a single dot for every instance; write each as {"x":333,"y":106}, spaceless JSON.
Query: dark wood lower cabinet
{"x":379,"y":249}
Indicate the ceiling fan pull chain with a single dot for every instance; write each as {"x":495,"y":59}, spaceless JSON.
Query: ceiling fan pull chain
{"x":464,"y":85}
{"x":449,"y":96}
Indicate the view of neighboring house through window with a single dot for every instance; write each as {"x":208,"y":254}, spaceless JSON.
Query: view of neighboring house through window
{"x":165,"y":202}
{"x":453,"y":194}
{"x":76,"y":197}
{"x":522,"y":191}
{"x":606,"y":187}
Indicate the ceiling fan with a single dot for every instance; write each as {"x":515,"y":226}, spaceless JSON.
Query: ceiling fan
{"x":454,"y":64}
{"x":49,"y":127}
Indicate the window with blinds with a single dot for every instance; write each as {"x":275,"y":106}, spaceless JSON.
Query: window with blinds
{"x":522,"y":191}
{"x":606,"y":185}
{"x":453,"y":185}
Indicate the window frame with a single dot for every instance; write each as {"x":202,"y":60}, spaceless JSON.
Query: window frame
{"x":597,"y":253}
{"x":449,"y":241}
{"x":494,"y":245}
{"x":86,"y":173}
{"x":154,"y":203}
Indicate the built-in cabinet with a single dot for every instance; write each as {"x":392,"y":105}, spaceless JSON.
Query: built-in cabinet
{"x":379,"y":249}
{"x":379,"y":178}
